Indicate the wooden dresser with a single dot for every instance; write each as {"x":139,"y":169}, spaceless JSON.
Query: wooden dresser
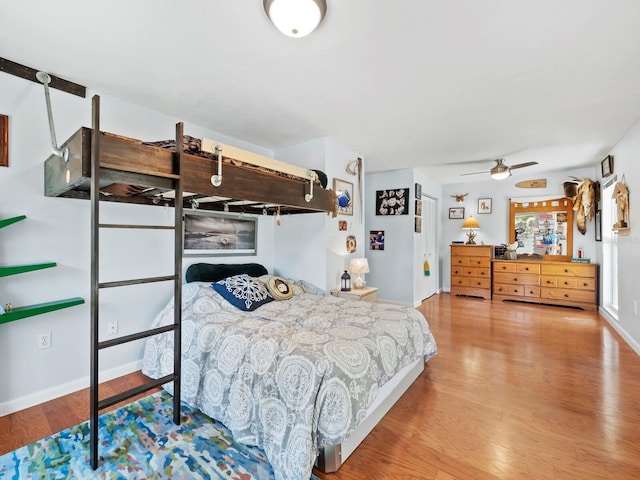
{"x":471,"y":270}
{"x":556,"y":283}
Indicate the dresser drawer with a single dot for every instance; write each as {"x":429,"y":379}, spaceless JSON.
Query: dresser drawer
{"x":460,"y":281}
{"x":528,"y":268}
{"x":516,"y":290}
{"x":516,"y":278}
{"x":483,"y":272}
{"x":480,"y":262}
{"x":459,"y":261}
{"x":569,"y":295}
{"x":457,"y":271}
{"x":480,"y":282}
{"x":567,"y":282}
{"x":531,"y":292}
{"x":549,"y":281}
{"x":571,"y":270}
{"x":586,"y":283}
{"x":500,"y":289}
{"x":504,"y":267}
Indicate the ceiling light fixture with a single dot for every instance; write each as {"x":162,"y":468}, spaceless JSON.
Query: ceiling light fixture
{"x":500,"y":171}
{"x":295,"y":18}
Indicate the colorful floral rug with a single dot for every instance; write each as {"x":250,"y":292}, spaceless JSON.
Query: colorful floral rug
{"x":140,"y":441}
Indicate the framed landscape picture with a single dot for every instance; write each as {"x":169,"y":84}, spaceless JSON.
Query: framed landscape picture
{"x":212,"y":233}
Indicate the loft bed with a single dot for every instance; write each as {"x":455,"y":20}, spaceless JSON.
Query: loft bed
{"x":133,"y":171}
{"x":97,"y":165}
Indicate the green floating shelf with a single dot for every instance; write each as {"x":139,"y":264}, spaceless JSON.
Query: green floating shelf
{"x":16,"y":269}
{"x":38,"y":309}
{"x":9,"y":221}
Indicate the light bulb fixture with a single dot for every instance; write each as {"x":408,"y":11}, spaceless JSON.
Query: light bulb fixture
{"x":470,"y":225}
{"x":500,"y":171}
{"x":295,"y":18}
{"x":359,"y":266}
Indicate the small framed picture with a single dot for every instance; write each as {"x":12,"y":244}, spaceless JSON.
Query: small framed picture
{"x":342,"y":225}
{"x":417,"y":225}
{"x":344,"y":196}
{"x":456,"y":213}
{"x":484,"y":205}
{"x":376,"y":240}
{"x":607,"y":166}
{"x":4,"y":141}
{"x":598,"y":226}
{"x":418,"y":190}
{"x":418,"y":207}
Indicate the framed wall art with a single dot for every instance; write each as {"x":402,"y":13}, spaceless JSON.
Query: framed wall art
{"x":606,"y":165}
{"x":344,"y":196}
{"x":4,"y":141}
{"x":212,"y":233}
{"x":484,"y":205}
{"x":456,"y":213}
{"x":392,"y":202}
{"x":418,"y":190}
{"x":418,"y":207}
{"x":417,"y":226}
{"x":376,"y":240}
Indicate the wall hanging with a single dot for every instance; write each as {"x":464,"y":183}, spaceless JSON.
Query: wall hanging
{"x":484,"y":205}
{"x":621,"y":197}
{"x":351,"y":244}
{"x":207,"y":233}
{"x":392,"y":202}
{"x":4,"y":141}
{"x":344,"y":196}
{"x":456,"y":213}
{"x":376,"y":240}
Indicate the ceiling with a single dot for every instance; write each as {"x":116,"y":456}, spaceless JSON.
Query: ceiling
{"x":433,"y":84}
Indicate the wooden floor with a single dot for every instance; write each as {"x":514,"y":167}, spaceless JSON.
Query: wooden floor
{"x":516,"y":392}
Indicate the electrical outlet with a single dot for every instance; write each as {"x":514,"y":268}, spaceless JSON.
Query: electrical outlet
{"x":112,"y":327}
{"x":44,"y":340}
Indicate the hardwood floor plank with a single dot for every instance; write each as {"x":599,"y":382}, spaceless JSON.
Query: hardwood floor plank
{"x":517,"y":391}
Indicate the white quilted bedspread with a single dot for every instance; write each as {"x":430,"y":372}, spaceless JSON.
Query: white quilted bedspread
{"x":293,"y":375}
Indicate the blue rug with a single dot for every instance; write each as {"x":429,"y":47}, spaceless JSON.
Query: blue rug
{"x":140,"y":441}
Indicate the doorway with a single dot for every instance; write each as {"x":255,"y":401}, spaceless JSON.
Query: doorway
{"x":429,"y":283}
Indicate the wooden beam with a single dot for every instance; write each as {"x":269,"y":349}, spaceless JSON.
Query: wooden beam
{"x":28,"y":73}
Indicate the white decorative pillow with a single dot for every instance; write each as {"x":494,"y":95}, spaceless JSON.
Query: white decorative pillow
{"x":279,"y":288}
{"x":244,"y":292}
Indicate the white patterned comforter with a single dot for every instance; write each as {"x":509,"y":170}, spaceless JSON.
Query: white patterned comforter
{"x":291,"y":376}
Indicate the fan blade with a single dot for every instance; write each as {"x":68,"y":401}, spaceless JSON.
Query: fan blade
{"x":520,"y":165}
{"x":474,"y":173}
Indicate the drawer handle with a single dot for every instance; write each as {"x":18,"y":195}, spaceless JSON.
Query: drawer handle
{"x":549,"y":282}
{"x":530,"y":292}
{"x":515,"y":279}
{"x":566,"y":295}
{"x":566,"y":270}
{"x":566,"y":283}
{"x":526,"y":269}
{"x":585,"y":284}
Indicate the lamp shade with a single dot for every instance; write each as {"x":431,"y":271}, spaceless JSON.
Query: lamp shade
{"x":359,"y":265}
{"x":295,"y":18}
{"x":470,"y":222}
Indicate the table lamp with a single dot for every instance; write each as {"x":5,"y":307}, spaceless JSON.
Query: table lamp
{"x":359,"y":266}
{"x":470,"y":225}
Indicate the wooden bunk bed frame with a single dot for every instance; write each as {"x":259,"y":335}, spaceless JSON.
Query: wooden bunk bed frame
{"x":129,"y":161}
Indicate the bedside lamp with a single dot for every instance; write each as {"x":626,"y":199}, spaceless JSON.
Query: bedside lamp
{"x":359,"y":266}
{"x":470,"y":225}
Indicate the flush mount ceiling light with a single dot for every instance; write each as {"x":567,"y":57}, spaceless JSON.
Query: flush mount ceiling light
{"x":500,"y":171}
{"x":295,"y":18}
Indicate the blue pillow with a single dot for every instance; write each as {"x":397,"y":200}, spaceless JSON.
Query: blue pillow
{"x":242,"y":291}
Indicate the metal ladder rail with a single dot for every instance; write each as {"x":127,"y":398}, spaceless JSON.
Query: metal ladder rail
{"x":95,"y":404}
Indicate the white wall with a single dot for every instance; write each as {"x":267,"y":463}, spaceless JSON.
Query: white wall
{"x":626,"y":154}
{"x":311,"y":246}
{"x":494,"y":227}
{"x":58,"y":230}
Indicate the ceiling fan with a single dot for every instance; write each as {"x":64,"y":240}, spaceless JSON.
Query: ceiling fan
{"x":500,"y":170}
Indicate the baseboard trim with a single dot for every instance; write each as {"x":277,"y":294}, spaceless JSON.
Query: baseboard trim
{"x":621,"y":331}
{"x":42,"y":396}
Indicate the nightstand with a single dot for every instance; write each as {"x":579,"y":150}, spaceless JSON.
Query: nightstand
{"x":366,"y":294}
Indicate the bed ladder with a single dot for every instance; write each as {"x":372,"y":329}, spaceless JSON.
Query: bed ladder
{"x":96,"y":345}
